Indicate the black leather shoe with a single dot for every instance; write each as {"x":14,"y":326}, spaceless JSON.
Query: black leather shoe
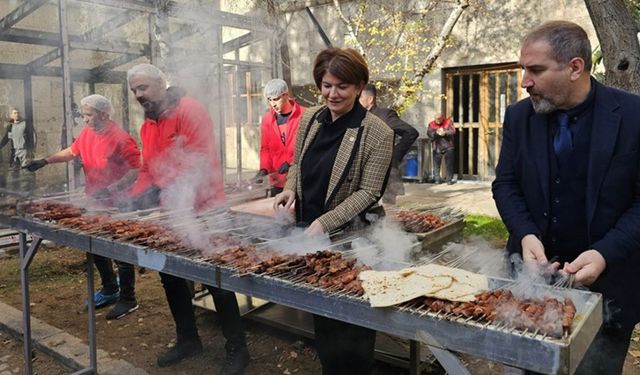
{"x":182,"y":350}
{"x":122,"y":308}
{"x":236,"y":361}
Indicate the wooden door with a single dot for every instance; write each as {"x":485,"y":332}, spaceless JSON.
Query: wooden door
{"x":476,"y":101}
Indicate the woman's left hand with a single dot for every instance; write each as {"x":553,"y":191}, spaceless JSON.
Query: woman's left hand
{"x":314,"y":229}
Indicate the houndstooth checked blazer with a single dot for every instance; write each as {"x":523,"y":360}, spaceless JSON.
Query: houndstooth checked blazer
{"x":359,"y":175}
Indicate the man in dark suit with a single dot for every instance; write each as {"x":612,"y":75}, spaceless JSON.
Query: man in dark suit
{"x":567,"y":182}
{"x":405,"y":136}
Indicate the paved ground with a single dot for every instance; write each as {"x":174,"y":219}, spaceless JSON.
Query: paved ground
{"x":470,"y":197}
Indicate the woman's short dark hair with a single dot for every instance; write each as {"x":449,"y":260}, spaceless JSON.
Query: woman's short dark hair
{"x":345,"y":63}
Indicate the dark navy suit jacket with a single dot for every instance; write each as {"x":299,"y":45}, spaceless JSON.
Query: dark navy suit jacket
{"x":406,"y":132}
{"x":521,"y":190}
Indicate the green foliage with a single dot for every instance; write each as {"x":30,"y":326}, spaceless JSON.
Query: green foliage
{"x":597,"y":67}
{"x":396,"y":38}
{"x":487,"y":227}
{"x":634,"y":9}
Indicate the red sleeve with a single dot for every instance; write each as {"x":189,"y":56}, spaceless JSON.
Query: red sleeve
{"x":430,"y":130}
{"x":144,"y":180}
{"x":450,"y":128}
{"x":265,"y":153}
{"x":79,"y":142}
{"x":130,"y":153}
{"x":194,"y":142}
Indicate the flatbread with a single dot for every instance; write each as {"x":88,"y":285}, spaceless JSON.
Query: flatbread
{"x":465,"y":284}
{"x":387,"y":288}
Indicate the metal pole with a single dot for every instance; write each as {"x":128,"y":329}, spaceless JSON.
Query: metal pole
{"x":415,"y":367}
{"x":67,"y":95}
{"x":238,"y":118}
{"x":26,"y":256}
{"x":218,"y":82}
{"x":28,"y":115}
{"x":125,"y":107}
{"x":323,"y":35}
{"x":91,"y":311}
{"x":26,"y":313}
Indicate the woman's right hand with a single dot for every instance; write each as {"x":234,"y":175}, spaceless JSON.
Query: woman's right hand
{"x":286,"y":199}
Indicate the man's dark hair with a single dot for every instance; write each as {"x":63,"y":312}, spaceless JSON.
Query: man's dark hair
{"x":371,"y":90}
{"x":567,"y":40}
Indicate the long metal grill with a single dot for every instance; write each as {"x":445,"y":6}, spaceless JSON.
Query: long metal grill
{"x":289,"y":281}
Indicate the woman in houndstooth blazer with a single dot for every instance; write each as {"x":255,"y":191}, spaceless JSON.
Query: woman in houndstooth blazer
{"x":340,"y":169}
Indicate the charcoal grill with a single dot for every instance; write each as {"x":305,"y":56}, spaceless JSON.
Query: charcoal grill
{"x":442,"y":333}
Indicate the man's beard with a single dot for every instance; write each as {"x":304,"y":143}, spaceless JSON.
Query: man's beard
{"x":543,"y":105}
{"x":150,"y":108}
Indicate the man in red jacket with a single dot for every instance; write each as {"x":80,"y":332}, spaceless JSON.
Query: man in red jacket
{"x":180,"y":170}
{"x":110,"y":160}
{"x":442,"y":132}
{"x":278,"y":132}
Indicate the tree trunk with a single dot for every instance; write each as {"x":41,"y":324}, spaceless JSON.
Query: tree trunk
{"x":618,"y":38}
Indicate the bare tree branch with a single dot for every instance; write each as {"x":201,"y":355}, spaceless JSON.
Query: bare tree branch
{"x":411,"y":88}
{"x":354,"y":37}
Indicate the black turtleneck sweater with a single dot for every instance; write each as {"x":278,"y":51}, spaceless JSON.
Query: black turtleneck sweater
{"x":318,"y":161}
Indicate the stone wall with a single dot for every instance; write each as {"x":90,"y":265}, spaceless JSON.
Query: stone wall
{"x":488,"y":32}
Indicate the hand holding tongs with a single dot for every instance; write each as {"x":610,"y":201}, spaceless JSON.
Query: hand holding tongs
{"x":558,"y":277}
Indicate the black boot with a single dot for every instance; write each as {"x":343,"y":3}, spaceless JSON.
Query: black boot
{"x":182,"y":350}
{"x":236,"y":360}
{"x":237,"y":356}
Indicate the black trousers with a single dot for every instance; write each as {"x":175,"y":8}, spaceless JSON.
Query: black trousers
{"x":126,"y":273}
{"x":607,"y":352}
{"x":344,"y":348}
{"x":449,"y":156}
{"x":179,"y":300}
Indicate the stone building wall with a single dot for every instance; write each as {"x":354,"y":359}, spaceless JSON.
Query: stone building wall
{"x":488,"y":33}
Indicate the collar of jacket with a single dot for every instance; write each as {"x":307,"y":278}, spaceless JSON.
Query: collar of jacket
{"x":351,"y":119}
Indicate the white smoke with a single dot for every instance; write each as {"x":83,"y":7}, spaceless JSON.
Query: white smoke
{"x":192,"y":174}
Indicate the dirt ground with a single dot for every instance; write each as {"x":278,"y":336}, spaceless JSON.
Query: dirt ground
{"x":11,"y":359}
{"x":58,"y":292}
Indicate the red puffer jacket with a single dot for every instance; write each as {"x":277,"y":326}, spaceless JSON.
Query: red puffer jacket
{"x":272,"y":151}
{"x":179,"y":156}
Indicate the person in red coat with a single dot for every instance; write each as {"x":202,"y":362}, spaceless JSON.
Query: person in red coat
{"x":110,"y":160}
{"x":442,"y":131}
{"x":279,"y":127}
{"x":180,"y":170}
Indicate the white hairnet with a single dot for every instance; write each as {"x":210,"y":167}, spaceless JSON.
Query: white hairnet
{"x":98,"y":102}
{"x":275,"y":88}
{"x":147,"y":70}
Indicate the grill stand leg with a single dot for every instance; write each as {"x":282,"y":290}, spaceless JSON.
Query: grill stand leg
{"x":26,"y":256}
{"x":91,"y":316}
{"x":415,"y":364}
{"x":449,"y":361}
